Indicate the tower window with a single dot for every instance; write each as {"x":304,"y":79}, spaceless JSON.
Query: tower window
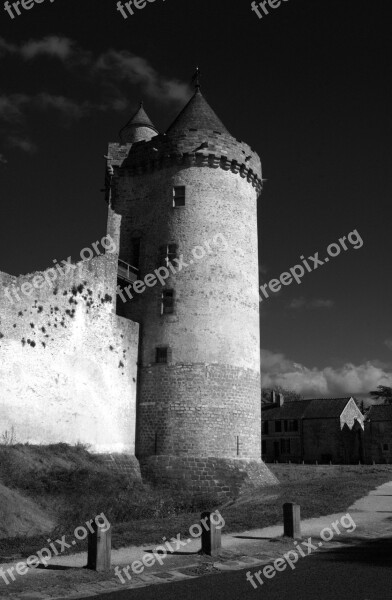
{"x":171,"y":253}
{"x":161,"y":355}
{"x":167,"y":303}
{"x":179,"y":196}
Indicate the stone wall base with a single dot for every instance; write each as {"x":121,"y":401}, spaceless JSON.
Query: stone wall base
{"x":125,"y":464}
{"x":223,"y":477}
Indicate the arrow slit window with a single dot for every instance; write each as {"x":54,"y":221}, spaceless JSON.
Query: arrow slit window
{"x":167,"y":302}
{"x":179,"y":196}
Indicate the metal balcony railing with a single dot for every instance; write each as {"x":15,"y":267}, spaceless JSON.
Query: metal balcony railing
{"x":127,"y":272}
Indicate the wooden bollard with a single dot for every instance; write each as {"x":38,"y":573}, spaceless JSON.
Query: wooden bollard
{"x":211,"y":536}
{"x":99,"y":549}
{"x":291,"y":520}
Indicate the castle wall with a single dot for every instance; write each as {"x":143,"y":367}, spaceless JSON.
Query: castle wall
{"x":68,"y":364}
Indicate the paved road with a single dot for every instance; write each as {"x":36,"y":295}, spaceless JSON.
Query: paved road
{"x":361,"y":572}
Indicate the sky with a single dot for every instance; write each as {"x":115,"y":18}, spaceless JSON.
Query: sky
{"x":308,"y":86}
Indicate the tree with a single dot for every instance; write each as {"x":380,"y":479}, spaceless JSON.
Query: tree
{"x":383,"y":392}
{"x":289,"y":395}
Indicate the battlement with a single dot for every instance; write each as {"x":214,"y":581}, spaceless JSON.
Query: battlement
{"x":195,"y":147}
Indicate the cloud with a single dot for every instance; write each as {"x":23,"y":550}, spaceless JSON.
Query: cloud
{"x":11,"y":107}
{"x":111,"y":66}
{"x":52,"y":46}
{"x":124,"y":66}
{"x":347,"y":380}
{"x":6,"y":47}
{"x":3,"y":160}
{"x":388,"y":343}
{"x":68,"y":107}
{"x":299,"y":303}
{"x":118,"y":104}
{"x":22,"y":143}
{"x":14,"y":106}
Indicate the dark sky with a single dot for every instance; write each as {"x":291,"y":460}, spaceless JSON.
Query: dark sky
{"x":308,"y":87}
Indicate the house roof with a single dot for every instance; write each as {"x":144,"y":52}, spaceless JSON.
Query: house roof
{"x":197,"y":114}
{"x":313,"y":408}
{"x":289,"y":410}
{"x":380,"y":412}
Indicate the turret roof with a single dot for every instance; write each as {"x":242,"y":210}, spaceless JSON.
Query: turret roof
{"x":139,"y":119}
{"x":197,"y":114}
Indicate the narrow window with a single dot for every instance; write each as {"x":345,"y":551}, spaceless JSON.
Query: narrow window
{"x":293,"y":426}
{"x":265,"y":427}
{"x":161,"y":355}
{"x":135,"y":248}
{"x":167,"y":303}
{"x":179,"y":196}
{"x":264,"y":447}
{"x":285,"y":446}
{"x":278,"y":426}
{"x":171,"y":253}
{"x":385,"y":447}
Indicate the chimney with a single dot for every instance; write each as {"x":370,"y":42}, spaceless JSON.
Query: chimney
{"x":280,"y":399}
{"x":273,"y":397}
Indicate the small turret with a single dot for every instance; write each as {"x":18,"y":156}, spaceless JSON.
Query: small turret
{"x":139,"y":128}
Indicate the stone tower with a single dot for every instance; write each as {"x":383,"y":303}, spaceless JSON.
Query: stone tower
{"x":188,"y":206}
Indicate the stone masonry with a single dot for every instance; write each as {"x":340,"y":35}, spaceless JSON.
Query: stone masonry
{"x":68,"y":363}
{"x":199,"y":410}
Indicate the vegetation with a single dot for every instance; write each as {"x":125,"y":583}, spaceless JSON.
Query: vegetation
{"x":289,"y":395}
{"x":8,"y":437}
{"x":383,"y":392}
{"x":319,"y":491}
{"x":74,"y":486}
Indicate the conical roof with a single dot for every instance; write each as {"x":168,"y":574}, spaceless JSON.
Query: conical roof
{"x":197,"y":114}
{"x":138,"y":128}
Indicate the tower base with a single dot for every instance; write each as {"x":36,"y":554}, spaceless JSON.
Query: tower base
{"x":124,"y":464}
{"x":222,"y":477}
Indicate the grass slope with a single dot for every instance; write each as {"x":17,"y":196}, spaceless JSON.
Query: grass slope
{"x":71,"y":486}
